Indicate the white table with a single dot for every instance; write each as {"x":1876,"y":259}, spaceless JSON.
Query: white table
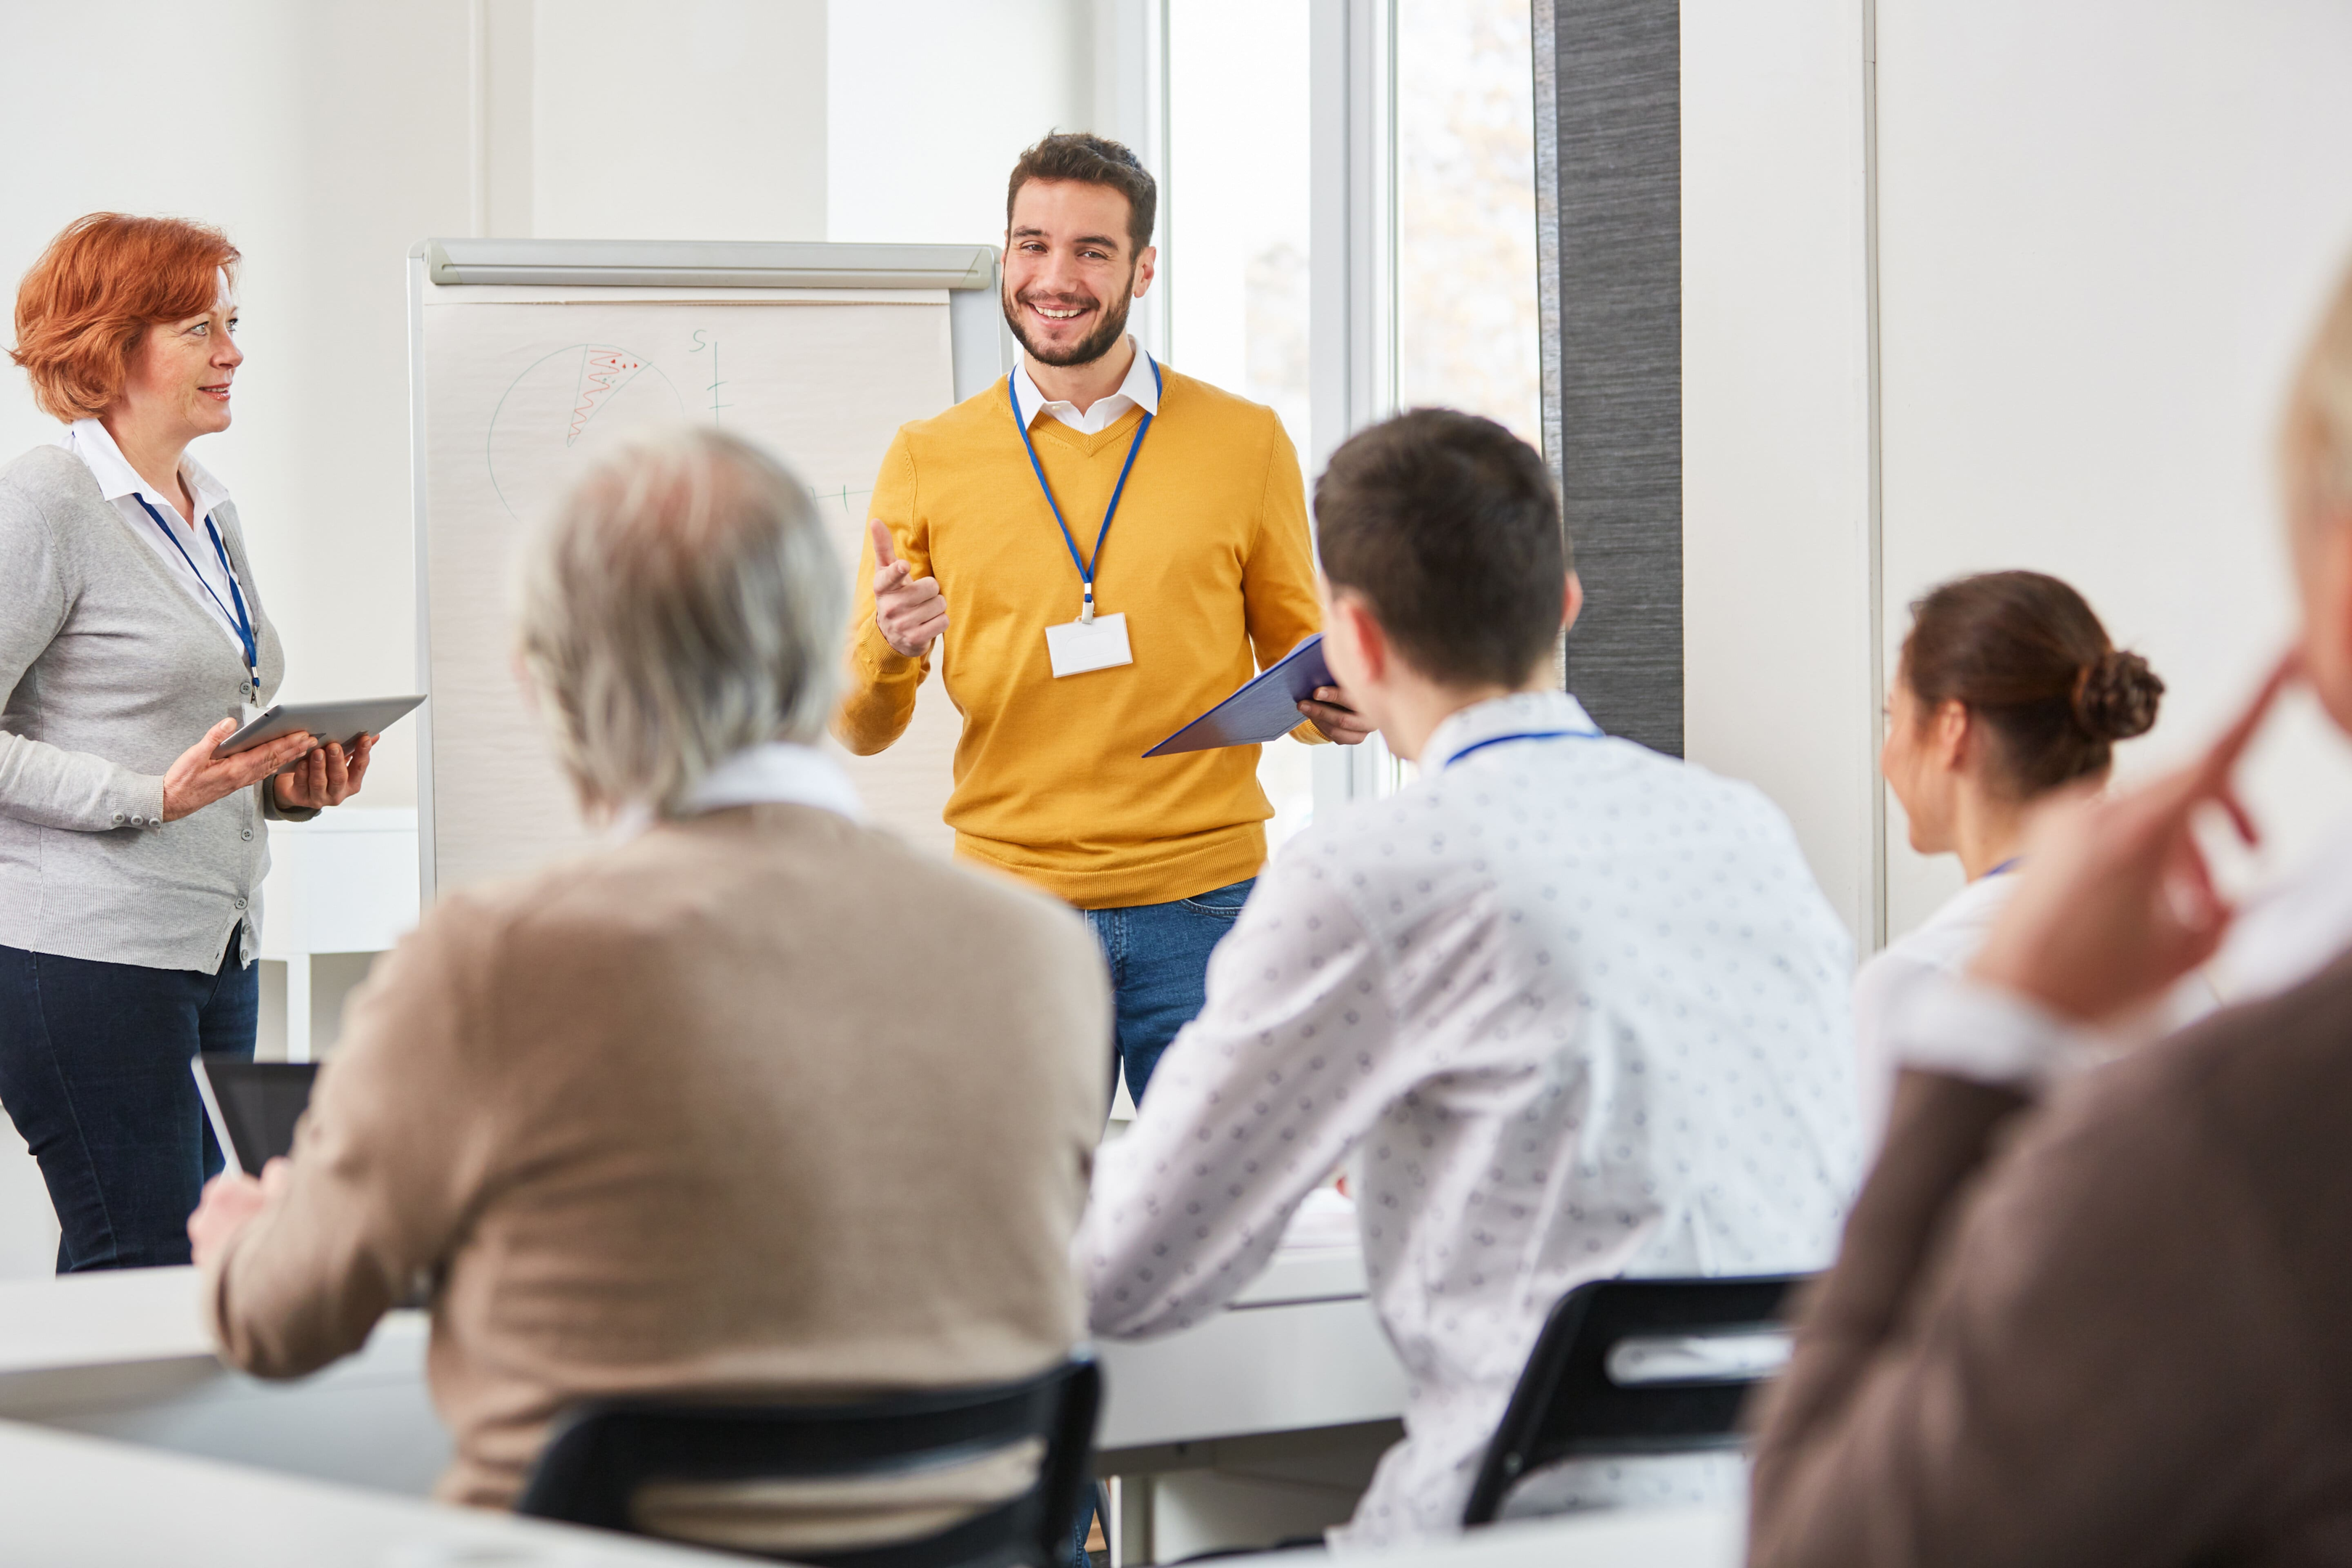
{"x":1259,"y":1424}
{"x":125,"y":1355}
{"x":71,"y":1501}
{"x":1297,"y":1350}
{"x":1676,"y":1538}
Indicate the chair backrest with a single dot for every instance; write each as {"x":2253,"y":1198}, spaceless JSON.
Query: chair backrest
{"x":601,"y":1453}
{"x":1636,"y":1366}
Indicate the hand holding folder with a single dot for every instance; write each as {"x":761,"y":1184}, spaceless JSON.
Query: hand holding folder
{"x":1264,"y":709}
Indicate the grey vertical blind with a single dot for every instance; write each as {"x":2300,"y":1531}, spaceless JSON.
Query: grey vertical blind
{"x":1609,"y":210}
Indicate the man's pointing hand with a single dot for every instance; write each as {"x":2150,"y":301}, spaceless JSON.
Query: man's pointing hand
{"x":910,"y":615}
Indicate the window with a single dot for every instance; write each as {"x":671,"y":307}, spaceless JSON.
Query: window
{"x":1234,"y":261}
{"x":1452,"y":316}
{"x":1468,"y":332}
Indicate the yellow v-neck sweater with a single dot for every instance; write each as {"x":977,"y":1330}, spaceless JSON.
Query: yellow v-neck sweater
{"x":1208,"y":560}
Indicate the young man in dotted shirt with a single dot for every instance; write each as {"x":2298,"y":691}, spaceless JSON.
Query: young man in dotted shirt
{"x":1568,"y":1008}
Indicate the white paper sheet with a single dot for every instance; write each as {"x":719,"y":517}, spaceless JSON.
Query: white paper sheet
{"x":522,"y":397}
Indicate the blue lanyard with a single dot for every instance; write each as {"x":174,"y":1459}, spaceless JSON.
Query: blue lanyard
{"x":1527,"y":735}
{"x":239,"y":621}
{"x":1085,"y":571}
{"x":2005,"y":867}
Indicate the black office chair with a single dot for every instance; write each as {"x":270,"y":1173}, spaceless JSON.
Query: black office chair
{"x":602,"y":1453}
{"x":1623,"y":1366}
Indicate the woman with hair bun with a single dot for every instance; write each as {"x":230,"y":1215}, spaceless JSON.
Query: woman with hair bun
{"x":2007,"y":689}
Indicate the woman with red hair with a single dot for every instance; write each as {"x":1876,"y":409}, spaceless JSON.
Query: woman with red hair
{"x":133,"y":640}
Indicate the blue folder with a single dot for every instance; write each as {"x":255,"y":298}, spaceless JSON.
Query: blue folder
{"x":1265,"y":709}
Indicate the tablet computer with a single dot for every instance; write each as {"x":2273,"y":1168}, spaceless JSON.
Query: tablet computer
{"x":344,"y":722}
{"x":253,"y":1106}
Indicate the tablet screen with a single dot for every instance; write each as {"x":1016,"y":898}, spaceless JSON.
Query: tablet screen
{"x":339,"y":721}
{"x":254,"y":1106}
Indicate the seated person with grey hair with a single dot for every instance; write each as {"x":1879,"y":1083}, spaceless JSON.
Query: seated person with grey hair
{"x":759,"y":1102}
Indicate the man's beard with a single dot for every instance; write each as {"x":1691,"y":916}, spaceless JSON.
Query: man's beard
{"x":1091,"y":347}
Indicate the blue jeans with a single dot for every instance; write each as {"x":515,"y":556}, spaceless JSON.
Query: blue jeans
{"x":1159,"y":958}
{"x":94,"y":1071}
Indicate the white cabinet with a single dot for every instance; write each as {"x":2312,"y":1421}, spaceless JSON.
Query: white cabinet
{"x":343,"y":882}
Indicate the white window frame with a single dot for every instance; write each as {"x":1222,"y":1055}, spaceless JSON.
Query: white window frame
{"x":1132,"y":107}
{"x":1352,"y":266}
{"x":1352,"y":284}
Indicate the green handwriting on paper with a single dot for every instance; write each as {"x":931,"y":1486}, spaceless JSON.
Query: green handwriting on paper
{"x":841,"y":494}
{"x":703,"y":341}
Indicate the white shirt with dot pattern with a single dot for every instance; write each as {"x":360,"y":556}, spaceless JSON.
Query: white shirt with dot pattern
{"x":1578,"y":1010}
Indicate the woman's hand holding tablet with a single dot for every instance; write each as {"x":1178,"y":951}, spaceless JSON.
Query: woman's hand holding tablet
{"x":343,"y":722}
{"x":203,"y":773}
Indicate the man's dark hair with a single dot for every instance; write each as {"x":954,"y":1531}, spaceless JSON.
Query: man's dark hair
{"x":1448,"y":525}
{"x":1091,"y":160}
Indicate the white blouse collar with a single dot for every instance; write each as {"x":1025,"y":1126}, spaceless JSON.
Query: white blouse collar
{"x":780,"y":772}
{"x":91,"y":442}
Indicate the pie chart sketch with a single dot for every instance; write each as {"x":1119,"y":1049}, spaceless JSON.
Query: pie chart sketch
{"x":565,"y":412}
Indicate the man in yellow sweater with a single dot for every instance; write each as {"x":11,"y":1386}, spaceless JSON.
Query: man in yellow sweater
{"x":1107,"y":548}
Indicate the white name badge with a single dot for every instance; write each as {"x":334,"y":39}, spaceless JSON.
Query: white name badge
{"x":1076,"y":648}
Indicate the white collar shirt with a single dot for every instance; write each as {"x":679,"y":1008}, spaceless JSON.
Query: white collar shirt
{"x":1942,"y":944}
{"x":778,"y":773}
{"x":2286,"y":932}
{"x":1937,"y":950}
{"x":1139,"y":390}
{"x":1572,"y":1010}
{"x":200,"y":568}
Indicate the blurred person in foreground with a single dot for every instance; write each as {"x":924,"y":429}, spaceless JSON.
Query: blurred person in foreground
{"x":2101,"y":1319}
{"x":759,"y":1103}
{"x":1568,"y":1008}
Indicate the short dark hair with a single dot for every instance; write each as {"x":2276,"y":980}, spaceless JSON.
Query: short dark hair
{"x":2025,"y":655}
{"x":1091,"y":160}
{"x":1449,"y":526}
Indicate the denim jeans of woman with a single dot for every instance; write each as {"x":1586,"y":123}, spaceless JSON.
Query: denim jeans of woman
{"x":94,"y":1071}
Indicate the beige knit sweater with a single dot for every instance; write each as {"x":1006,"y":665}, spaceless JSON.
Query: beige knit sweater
{"x":762,"y":1103}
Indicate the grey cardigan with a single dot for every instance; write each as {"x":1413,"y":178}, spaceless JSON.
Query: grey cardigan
{"x":112,"y":670}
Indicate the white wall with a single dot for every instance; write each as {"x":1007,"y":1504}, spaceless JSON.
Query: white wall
{"x":324,"y":139}
{"x":2103,"y":230}
{"x":702,"y":121}
{"x":1776,"y":421}
{"x":928,"y":103}
{"x":2106,"y":228}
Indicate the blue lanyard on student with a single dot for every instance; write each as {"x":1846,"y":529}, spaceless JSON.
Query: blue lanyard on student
{"x":2006,"y":866}
{"x":1086,"y":569}
{"x":242,"y":624}
{"x":1527,"y":735}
